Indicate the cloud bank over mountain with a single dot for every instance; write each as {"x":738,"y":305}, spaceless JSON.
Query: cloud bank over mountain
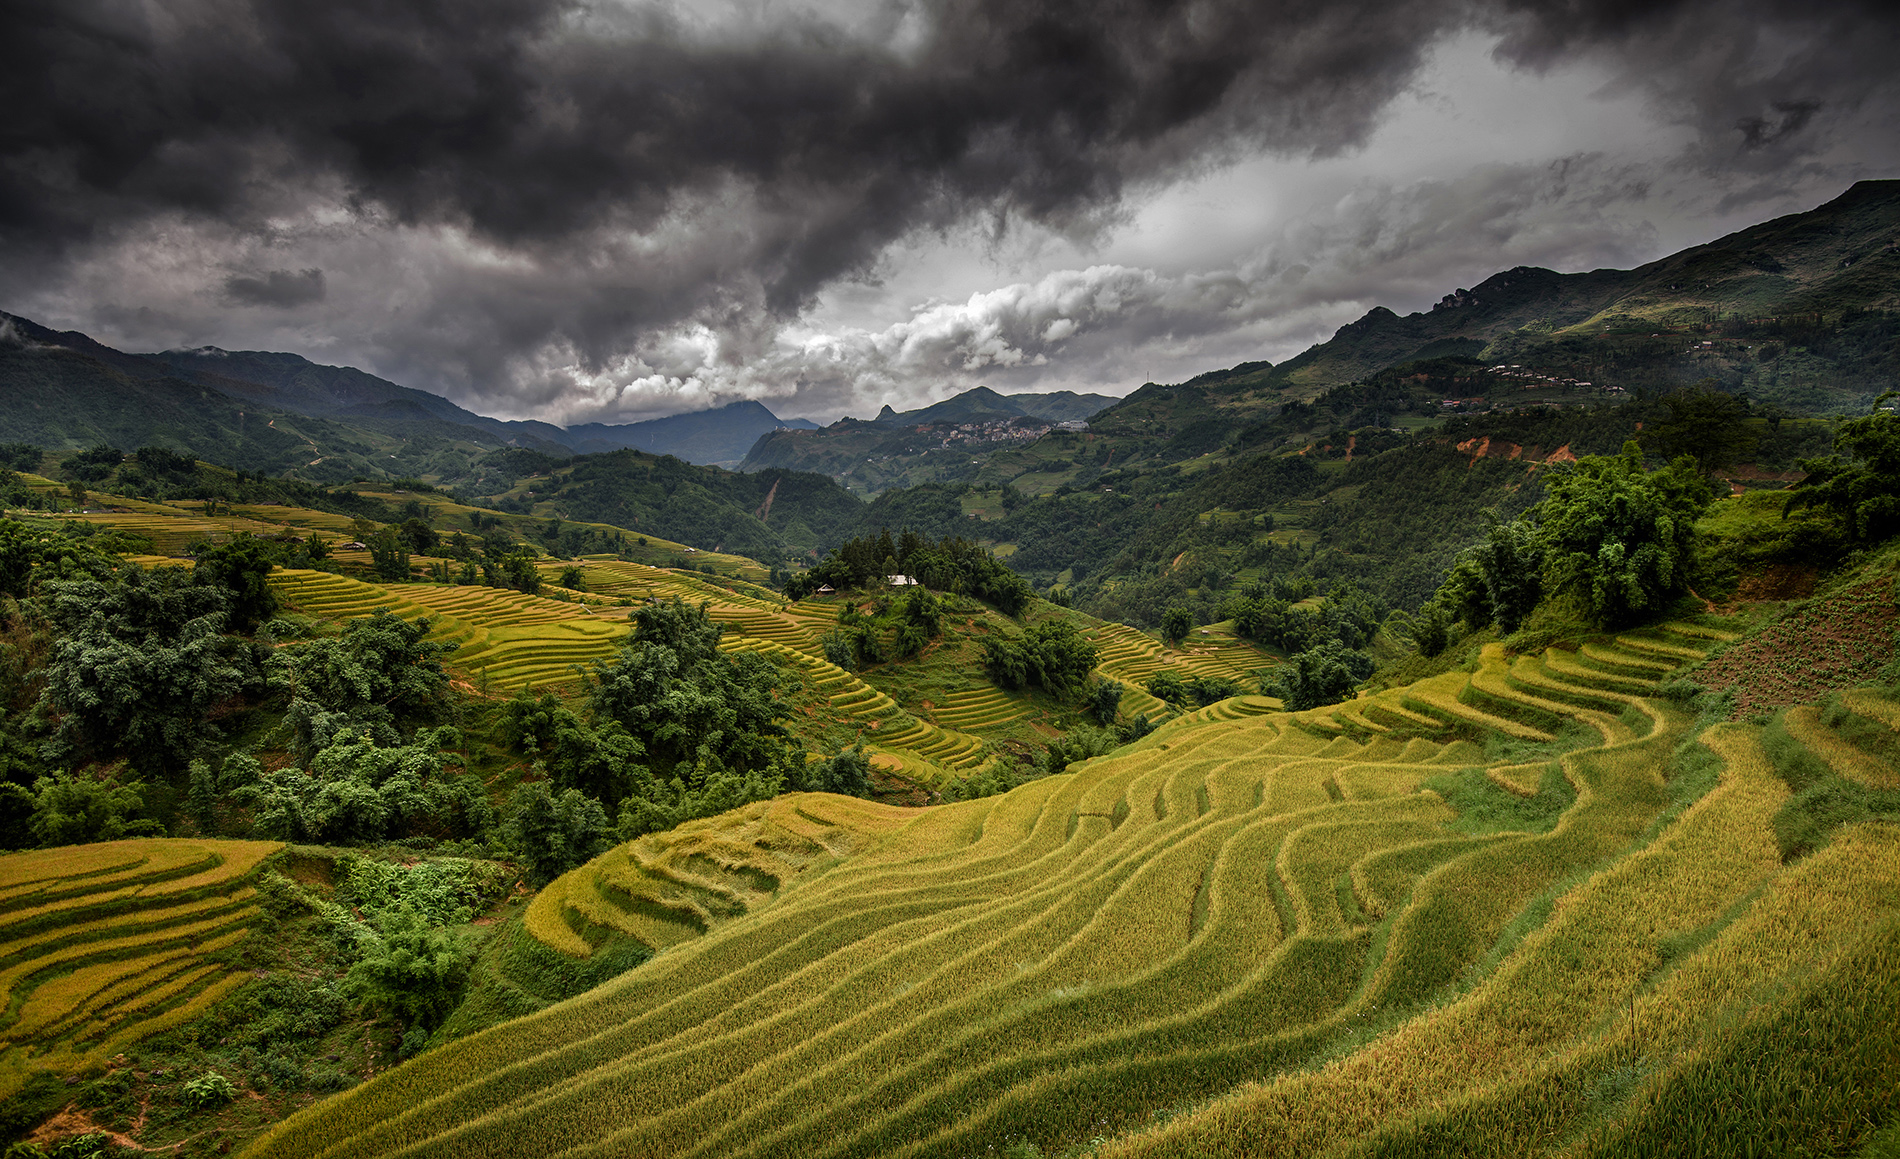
{"x":576,"y":211}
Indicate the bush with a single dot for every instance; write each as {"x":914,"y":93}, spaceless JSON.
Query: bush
{"x":838,"y":650}
{"x":74,"y":810}
{"x":210,"y":1089}
{"x":1052,"y":655}
{"x":848,"y":773}
{"x":1200,"y":691}
{"x":410,"y":971}
{"x":1103,"y":699}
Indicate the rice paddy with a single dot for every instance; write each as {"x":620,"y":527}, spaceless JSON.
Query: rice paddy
{"x":1252,"y":932}
{"x":102,"y":945}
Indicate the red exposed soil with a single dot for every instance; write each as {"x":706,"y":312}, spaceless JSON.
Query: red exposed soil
{"x":1835,"y":643}
{"x":1781,"y":581}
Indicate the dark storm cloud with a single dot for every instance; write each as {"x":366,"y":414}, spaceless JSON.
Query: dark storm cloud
{"x":280,"y":288}
{"x":1747,"y":74}
{"x":535,"y":122}
{"x":633,"y":170}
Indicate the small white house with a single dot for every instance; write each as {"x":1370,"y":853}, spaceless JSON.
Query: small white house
{"x":902,"y":581}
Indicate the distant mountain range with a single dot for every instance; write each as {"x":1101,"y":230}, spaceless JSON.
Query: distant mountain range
{"x":76,"y":392}
{"x":1792,"y":311}
{"x":982,"y":404}
{"x":65,"y":390}
{"x":720,"y":436}
{"x":1841,"y":256}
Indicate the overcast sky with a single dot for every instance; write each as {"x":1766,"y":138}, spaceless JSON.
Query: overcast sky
{"x":613,"y":210}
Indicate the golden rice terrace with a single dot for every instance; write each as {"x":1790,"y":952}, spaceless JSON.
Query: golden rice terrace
{"x":1505,"y":911}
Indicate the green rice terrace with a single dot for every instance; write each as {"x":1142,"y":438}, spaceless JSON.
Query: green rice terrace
{"x":1536,"y":906}
{"x":941,"y":728}
{"x":104,"y":945}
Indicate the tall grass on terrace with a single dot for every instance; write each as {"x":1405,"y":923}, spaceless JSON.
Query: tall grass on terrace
{"x":105,"y":944}
{"x":1222,"y":901}
{"x":1565,"y":985}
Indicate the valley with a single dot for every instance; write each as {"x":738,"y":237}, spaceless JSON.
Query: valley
{"x":1477,"y":735}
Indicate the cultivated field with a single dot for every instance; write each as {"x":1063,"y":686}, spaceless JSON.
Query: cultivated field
{"x":102,"y":945}
{"x":508,"y":640}
{"x":1493,"y":913}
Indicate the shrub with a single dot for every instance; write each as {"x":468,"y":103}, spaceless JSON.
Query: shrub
{"x":210,"y":1089}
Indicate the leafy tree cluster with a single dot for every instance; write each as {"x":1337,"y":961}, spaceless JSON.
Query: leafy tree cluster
{"x":1861,"y":486}
{"x":1610,"y":535}
{"x":357,"y":791}
{"x":31,"y":556}
{"x":1197,"y":691}
{"x":1278,"y":615}
{"x":1324,"y":674}
{"x":139,"y":664}
{"x":1618,"y":537}
{"x":139,"y":671}
{"x":1051,"y":655}
{"x":671,"y":729}
{"x":951,"y":564}
{"x":394,"y":930}
{"x":912,"y":620}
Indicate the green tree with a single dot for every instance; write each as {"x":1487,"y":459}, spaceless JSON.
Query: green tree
{"x":382,"y":672}
{"x":1052,"y":655}
{"x":553,"y":832}
{"x":1176,"y":623}
{"x":515,"y":569}
{"x":74,"y":810}
{"x":1617,"y":537}
{"x":138,"y":665}
{"x":17,"y":804}
{"x":605,"y":763}
{"x":1103,"y":698}
{"x":410,"y":971}
{"x":242,"y":567}
{"x":359,"y":791}
{"x":687,"y":703}
{"x":1200,"y":690}
{"x":847,"y":772}
{"x":1706,"y":424}
{"x":1326,"y":674}
{"x":390,"y":558}
{"x":1511,"y":560}
{"x":1863,"y":487}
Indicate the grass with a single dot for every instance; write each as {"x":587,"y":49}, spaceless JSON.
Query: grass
{"x":103,"y":945}
{"x":1231,"y":899}
{"x":1423,"y":916}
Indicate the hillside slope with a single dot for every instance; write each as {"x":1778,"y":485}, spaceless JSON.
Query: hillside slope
{"x":1515,"y":887}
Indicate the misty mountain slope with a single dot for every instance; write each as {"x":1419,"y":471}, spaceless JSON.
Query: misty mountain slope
{"x":722,"y":435}
{"x":386,"y":417}
{"x":61,"y":398}
{"x":1844,"y":255}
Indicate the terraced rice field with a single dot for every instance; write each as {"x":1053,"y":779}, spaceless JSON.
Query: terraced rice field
{"x":171,"y":529}
{"x":509,"y":640}
{"x":1132,"y":656}
{"x":984,"y":707}
{"x":883,"y":724}
{"x":667,"y":888}
{"x":102,"y":945}
{"x":1262,"y":917}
